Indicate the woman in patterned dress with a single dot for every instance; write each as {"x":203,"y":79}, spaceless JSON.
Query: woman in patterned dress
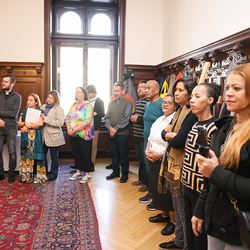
{"x":31,"y":155}
{"x":79,"y":122}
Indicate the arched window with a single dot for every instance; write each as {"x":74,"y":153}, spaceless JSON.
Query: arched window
{"x":100,"y":25}
{"x":70,"y":23}
{"x":85,"y":41}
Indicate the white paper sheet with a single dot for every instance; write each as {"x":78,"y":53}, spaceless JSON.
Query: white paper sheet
{"x":32,"y":115}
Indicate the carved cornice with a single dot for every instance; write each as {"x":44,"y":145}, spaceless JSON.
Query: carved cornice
{"x":22,"y":67}
{"x":239,"y":41}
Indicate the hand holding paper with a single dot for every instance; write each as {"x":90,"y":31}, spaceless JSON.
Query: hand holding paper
{"x":32,"y":115}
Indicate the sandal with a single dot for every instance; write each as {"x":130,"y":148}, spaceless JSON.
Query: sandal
{"x":136,"y":183}
{"x":144,"y":188}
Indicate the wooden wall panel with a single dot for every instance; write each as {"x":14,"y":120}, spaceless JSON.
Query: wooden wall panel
{"x":28,"y":79}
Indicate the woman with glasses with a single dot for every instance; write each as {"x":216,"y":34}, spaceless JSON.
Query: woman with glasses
{"x":79,"y":122}
{"x":154,"y":153}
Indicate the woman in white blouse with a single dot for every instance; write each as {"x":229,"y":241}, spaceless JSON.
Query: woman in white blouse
{"x":154,"y":152}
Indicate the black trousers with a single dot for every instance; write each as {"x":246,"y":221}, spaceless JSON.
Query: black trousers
{"x":119,"y":154}
{"x":82,"y":151}
{"x":193,"y":242}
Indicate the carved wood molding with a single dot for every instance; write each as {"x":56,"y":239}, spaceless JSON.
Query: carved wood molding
{"x":226,"y":44}
{"x":22,"y":68}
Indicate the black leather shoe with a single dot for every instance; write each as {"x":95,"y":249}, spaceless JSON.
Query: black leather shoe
{"x":169,"y":245}
{"x":51,"y":179}
{"x":159,"y":218}
{"x":1,"y":176}
{"x":11,"y":178}
{"x":124,"y":179}
{"x":169,"y":229}
{"x":112,"y":176}
{"x":109,"y":166}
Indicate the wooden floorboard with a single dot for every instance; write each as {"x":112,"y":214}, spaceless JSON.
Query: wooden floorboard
{"x":123,"y":221}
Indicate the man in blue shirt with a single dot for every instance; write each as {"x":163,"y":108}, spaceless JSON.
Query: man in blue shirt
{"x":153,"y":110}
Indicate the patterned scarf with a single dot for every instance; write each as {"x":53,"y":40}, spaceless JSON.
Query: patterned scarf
{"x":171,"y":165}
{"x":38,"y":145}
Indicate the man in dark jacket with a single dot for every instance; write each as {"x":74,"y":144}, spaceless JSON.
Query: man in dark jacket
{"x":98,"y":106}
{"x":10,"y":103}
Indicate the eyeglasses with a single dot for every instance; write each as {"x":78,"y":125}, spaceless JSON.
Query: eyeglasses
{"x":166,"y":103}
{"x":79,"y":92}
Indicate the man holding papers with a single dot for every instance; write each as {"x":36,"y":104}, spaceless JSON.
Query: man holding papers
{"x":10,"y":103}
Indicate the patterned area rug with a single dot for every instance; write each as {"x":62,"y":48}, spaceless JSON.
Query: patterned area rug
{"x":67,"y":218}
{"x":20,"y":210}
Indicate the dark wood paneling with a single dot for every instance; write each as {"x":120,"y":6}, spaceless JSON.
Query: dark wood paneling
{"x":28,"y":79}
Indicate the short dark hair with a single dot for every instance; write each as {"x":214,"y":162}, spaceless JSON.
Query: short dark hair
{"x":213,"y":90}
{"x":12,"y":78}
{"x":120,"y":84}
{"x":91,"y":89}
{"x":142,"y":81}
{"x":84,"y":92}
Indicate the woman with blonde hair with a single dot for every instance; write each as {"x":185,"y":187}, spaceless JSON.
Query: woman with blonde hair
{"x":31,"y":155}
{"x":227,"y":168}
{"x":53,"y":119}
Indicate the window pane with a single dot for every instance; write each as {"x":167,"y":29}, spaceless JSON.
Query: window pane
{"x":100,"y":25}
{"x":99,"y":72}
{"x":70,"y":23}
{"x":71,"y":74}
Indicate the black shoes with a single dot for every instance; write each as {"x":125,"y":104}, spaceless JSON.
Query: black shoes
{"x":124,"y":179}
{"x":11,"y":178}
{"x":169,"y":229}
{"x":112,"y":176}
{"x":1,"y":176}
{"x":159,"y":218}
{"x":109,"y":166}
{"x":51,"y":179}
{"x":169,"y":245}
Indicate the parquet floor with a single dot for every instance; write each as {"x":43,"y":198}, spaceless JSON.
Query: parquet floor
{"x":123,"y":221}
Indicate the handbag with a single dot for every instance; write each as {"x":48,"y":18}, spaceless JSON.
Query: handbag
{"x":243,"y":217}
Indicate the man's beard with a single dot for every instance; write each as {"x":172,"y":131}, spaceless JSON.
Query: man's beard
{"x":6,"y":88}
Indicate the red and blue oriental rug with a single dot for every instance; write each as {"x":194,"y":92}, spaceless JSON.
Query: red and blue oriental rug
{"x":57,"y":215}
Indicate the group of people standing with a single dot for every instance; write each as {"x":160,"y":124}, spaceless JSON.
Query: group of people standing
{"x":45,"y":134}
{"x":171,"y":169}
{"x":200,"y":218}
{"x":166,"y":135}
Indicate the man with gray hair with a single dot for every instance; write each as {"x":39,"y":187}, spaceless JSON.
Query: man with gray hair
{"x":117,"y":122}
{"x":10,"y":103}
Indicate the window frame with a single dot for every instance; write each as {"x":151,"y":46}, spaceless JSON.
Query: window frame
{"x":84,"y":39}
{"x":110,"y":12}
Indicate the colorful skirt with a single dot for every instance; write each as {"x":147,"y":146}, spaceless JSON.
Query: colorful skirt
{"x":27,"y":163}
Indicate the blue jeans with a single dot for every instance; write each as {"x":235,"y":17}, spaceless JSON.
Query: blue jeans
{"x":119,"y":154}
{"x":139,"y":147}
{"x":9,"y":137}
{"x":54,"y":161}
{"x":216,"y":244}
